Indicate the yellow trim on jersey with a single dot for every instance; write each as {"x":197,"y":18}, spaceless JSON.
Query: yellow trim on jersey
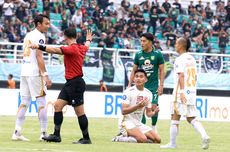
{"x":123,"y":125}
{"x":175,"y":100}
{"x":26,"y":48}
{"x":42,"y":93}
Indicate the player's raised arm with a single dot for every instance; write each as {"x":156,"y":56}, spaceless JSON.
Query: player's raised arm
{"x":135,"y":67}
{"x":89,"y":37}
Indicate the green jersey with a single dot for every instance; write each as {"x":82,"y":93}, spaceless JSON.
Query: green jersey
{"x":150,"y":63}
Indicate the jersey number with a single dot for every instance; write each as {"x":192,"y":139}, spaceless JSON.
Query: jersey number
{"x":191,"y":80}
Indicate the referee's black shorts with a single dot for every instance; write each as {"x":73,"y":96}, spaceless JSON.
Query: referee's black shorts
{"x":73,"y":91}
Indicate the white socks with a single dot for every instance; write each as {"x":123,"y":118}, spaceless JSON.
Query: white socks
{"x":42,"y":115}
{"x":199,"y":128}
{"x":174,"y":131}
{"x":127,"y":139}
{"x":21,"y":114}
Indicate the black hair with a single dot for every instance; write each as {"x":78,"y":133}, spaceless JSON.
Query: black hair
{"x":70,"y":32}
{"x":11,"y":75}
{"x":39,"y":18}
{"x":148,"y":36}
{"x":142,"y":71}
{"x":188,"y":44}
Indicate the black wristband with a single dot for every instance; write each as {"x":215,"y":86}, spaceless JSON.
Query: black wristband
{"x":42,"y":47}
{"x":89,"y":40}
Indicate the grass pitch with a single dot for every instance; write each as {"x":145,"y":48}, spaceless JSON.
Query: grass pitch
{"x":102,"y":130}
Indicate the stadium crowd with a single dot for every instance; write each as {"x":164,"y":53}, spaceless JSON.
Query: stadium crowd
{"x":120,"y":25}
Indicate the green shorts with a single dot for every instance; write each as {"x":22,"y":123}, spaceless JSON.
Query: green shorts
{"x":155,"y":97}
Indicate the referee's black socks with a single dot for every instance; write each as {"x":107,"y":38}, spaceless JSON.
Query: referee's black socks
{"x":58,"y":119}
{"x":83,"y":123}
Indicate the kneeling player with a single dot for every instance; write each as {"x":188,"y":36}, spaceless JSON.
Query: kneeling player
{"x":136,"y":101}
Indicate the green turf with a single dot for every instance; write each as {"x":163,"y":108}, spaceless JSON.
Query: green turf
{"x":102,"y":130}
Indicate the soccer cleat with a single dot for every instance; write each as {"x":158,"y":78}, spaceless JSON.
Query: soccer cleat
{"x":43,"y":134}
{"x":83,"y":141}
{"x":117,"y":137}
{"x":52,"y":138}
{"x":205,"y":142}
{"x":168,"y":146}
{"x":19,"y":138}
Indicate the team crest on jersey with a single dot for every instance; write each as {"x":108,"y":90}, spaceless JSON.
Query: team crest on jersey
{"x":41,"y":41}
{"x":152,"y":57}
{"x":124,"y":97}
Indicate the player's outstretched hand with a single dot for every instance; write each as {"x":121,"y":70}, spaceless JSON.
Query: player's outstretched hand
{"x":89,"y":35}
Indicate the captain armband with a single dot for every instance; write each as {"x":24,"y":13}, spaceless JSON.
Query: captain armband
{"x":42,"y":47}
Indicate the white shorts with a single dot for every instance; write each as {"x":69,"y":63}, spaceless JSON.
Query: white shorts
{"x":183,"y":110}
{"x":126,"y":125}
{"x":33,"y":86}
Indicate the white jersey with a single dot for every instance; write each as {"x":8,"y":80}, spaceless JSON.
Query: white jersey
{"x":186,"y":64}
{"x":29,"y":63}
{"x":133,"y":96}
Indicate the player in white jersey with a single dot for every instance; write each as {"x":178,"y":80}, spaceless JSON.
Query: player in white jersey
{"x":184,"y":94}
{"x":34,"y":78}
{"x":137,"y":100}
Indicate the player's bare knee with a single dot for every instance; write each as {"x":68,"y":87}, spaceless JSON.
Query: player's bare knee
{"x":23,"y":106}
{"x":190,"y":119}
{"x":141,"y":139}
{"x":158,"y":140}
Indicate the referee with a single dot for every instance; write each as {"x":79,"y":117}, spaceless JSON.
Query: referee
{"x":74,"y":88}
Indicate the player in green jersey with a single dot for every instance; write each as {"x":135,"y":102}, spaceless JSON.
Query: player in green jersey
{"x":151,"y":61}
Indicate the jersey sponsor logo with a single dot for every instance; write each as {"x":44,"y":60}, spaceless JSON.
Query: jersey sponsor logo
{"x":41,"y":41}
{"x":138,"y":112}
{"x":147,"y":62}
{"x":147,"y":66}
{"x":190,"y":92}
